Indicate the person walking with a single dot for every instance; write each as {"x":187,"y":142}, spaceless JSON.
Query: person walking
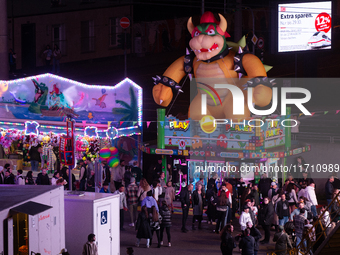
{"x":329,"y":189}
{"x":143,"y":227}
{"x":169,"y":195}
{"x":244,"y":218}
{"x":264,"y":185}
{"x":119,"y":174}
{"x":211,"y":196}
{"x":266,"y":215}
{"x":282,"y":210}
{"x":47,"y":56}
{"x":227,"y":240}
{"x":56,"y":58}
{"x":90,"y":247}
{"x":221,"y":210}
{"x":197,"y":205}
{"x":34,"y":154}
{"x":166,"y":222}
{"x":247,"y":243}
{"x":291,"y":197}
{"x":132,"y":200}
{"x":122,"y":205}
{"x":311,"y":196}
{"x":282,"y":242}
{"x":155,"y":224}
{"x":143,"y":188}
{"x":149,"y":201}
{"x":185,"y":203}
{"x":82,"y":175}
{"x":254,"y":232}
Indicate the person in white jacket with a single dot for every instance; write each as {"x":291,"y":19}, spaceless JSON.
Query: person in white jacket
{"x":20,"y":178}
{"x":311,"y":196}
{"x":244,"y":218}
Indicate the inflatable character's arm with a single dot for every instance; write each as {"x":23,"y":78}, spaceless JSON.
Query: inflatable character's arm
{"x":253,"y":66}
{"x":167,"y":84}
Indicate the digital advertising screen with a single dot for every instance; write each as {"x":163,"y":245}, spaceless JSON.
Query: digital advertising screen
{"x":304,"y":26}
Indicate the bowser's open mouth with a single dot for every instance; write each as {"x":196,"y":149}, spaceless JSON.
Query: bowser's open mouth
{"x":214,"y":47}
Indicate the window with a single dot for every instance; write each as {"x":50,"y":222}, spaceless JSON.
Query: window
{"x":87,"y":36}
{"x":115,"y":29}
{"x":58,"y":37}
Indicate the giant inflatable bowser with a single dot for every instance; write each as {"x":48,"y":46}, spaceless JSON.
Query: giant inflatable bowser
{"x":209,"y":57}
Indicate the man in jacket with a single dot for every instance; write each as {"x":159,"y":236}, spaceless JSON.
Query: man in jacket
{"x":247,"y":243}
{"x":185,"y":203}
{"x":266,"y":215}
{"x":82,"y":175}
{"x":282,"y":210}
{"x":119,"y":174}
{"x":282,"y":242}
{"x":299,"y":224}
{"x":329,"y":189}
{"x":254,"y":232}
{"x":122,"y":204}
{"x":264,"y":185}
{"x":311,"y":196}
{"x":42,"y":178}
{"x":90,"y":247}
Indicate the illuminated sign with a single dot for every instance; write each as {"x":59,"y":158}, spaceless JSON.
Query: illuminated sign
{"x":179,"y":125}
{"x":165,"y":152}
{"x":304,"y":26}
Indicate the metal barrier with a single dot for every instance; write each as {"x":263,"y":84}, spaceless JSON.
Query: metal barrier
{"x":301,"y":249}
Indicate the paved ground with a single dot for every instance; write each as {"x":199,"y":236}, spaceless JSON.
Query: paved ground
{"x":192,"y":243}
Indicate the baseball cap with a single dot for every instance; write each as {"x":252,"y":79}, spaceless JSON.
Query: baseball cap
{"x":273,"y":183}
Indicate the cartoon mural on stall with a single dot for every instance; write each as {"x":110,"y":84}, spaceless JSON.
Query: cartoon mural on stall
{"x":43,"y":97}
{"x":227,"y":140}
{"x":50,"y":98}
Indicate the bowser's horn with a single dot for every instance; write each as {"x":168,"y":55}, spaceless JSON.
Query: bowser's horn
{"x":190,"y":25}
{"x":223,"y":23}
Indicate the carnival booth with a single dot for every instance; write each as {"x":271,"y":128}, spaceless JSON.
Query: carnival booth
{"x":69,"y":120}
{"x":232,"y":150}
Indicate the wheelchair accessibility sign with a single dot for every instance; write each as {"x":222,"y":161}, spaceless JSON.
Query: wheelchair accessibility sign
{"x":103,"y":217}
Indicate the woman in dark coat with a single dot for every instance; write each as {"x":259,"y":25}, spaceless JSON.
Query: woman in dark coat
{"x":227,"y":241}
{"x":143,"y":227}
{"x":166,"y":222}
{"x":266,"y":214}
{"x":197,"y":204}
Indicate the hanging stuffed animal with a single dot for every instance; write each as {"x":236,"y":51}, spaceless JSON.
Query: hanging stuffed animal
{"x":210,"y":58}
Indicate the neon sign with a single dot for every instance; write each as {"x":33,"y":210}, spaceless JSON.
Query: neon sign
{"x":179,"y":125}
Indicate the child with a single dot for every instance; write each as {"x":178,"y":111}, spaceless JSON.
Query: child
{"x":155,"y":224}
{"x":166,"y":222}
{"x":143,"y":227}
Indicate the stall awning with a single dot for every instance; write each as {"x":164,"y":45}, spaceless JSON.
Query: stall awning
{"x":31,"y":208}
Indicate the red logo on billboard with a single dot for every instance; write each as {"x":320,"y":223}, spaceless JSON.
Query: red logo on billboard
{"x":323,"y":22}
{"x":282,"y":9}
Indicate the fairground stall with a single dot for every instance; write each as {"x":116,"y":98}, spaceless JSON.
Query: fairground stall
{"x":48,"y":110}
{"x":245,"y":149}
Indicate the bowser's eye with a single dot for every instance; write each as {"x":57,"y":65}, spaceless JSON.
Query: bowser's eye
{"x":211,"y":32}
{"x":196,"y":33}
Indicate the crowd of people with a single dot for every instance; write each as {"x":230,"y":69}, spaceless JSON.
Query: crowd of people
{"x":280,"y":206}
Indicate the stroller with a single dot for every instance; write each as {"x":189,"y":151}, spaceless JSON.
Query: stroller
{"x":290,"y":230}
